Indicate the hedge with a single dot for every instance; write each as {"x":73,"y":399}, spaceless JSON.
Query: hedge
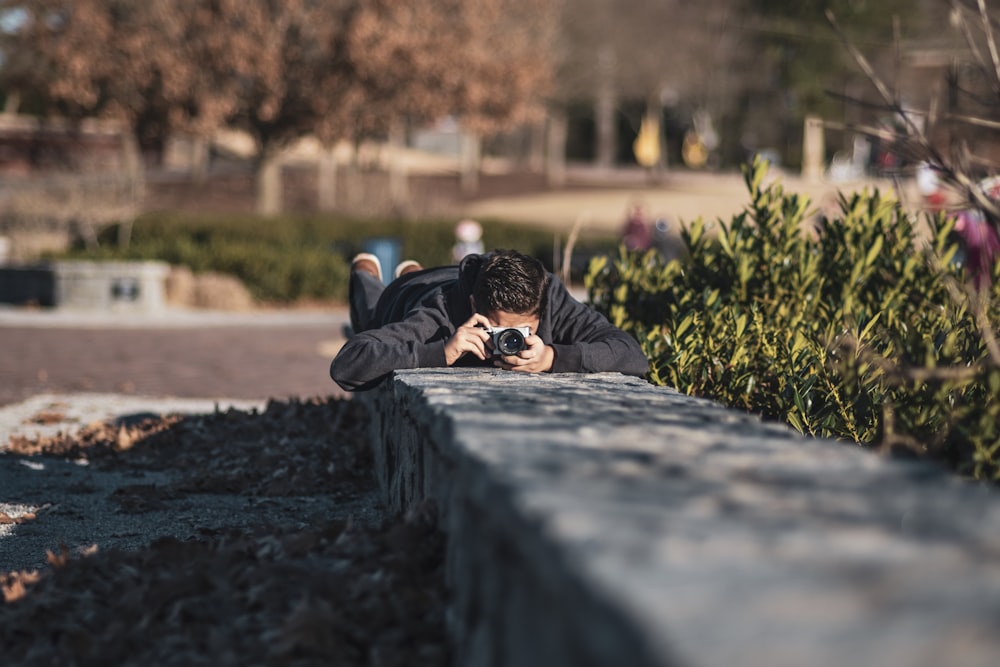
{"x":858,"y":327}
{"x":291,"y":258}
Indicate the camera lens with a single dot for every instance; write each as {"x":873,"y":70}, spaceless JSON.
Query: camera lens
{"x":510,"y":341}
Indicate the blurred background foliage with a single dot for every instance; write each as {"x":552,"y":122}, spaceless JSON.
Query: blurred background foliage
{"x":305,"y":257}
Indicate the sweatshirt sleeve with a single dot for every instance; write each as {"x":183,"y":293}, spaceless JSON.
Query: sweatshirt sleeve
{"x":416,"y":342}
{"x":585,"y":341}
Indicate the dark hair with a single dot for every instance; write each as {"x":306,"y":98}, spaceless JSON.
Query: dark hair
{"x":511,"y":282}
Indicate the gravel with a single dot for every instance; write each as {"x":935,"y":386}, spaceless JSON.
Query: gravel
{"x":234,"y":537}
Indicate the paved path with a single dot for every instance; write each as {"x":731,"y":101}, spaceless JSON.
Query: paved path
{"x":600,"y":200}
{"x":181,"y":354}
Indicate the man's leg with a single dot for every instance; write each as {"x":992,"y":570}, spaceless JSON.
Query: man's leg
{"x":364,"y":289}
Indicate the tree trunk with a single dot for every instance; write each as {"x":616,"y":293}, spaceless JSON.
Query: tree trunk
{"x":471,"y":155}
{"x":555,"y":165}
{"x":135,"y":184}
{"x":135,"y":172}
{"x":326,"y":186}
{"x":537,"y":146}
{"x":813,"y":149}
{"x":399,"y":193}
{"x":13,"y":102}
{"x":269,"y":188}
{"x":199,"y":159}
{"x":604,"y":111}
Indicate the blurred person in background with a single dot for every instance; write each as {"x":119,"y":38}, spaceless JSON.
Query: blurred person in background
{"x":468,"y":240}
{"x":636,"y":234}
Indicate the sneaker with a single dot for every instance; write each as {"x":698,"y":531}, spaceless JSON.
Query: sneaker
{"x":368,"y":263}
{"x":407,"y":266}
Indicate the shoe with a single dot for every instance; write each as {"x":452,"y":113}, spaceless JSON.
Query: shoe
{"x":368,"y":263}
{"x":407,"y":266}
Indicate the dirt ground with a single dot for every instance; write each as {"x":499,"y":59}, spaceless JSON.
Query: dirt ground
{"x":233,"y":538}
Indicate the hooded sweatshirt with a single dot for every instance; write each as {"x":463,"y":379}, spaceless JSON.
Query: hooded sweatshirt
{"x":420,"y":311}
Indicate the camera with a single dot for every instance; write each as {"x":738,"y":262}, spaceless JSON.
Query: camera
{"x":509,"y":340}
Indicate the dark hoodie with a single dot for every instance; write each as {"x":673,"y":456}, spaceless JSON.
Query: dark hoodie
{"x":419,"y":312}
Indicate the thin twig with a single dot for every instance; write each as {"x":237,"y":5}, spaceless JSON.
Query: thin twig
{"x":869,"y":71}
{"x":922,"y":145}
{"x":970,"y":41}
{"x":972,"y":120}
{"x":897,"y":374}
{"x":570,"y":244}
{"x":990,"y":41}
{"x":891,"y":439}
{"x":898,"y":51}
{"x":985,"y":327}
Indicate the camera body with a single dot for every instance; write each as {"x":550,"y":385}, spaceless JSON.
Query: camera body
{"x":509,"y":340}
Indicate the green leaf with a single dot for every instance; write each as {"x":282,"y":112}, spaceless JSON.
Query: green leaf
{"x":741,"y":325}
{"x":874,"y":251}
{"x":868,"y":327}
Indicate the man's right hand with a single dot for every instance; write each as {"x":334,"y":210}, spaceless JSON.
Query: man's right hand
{"x":470,"y":338}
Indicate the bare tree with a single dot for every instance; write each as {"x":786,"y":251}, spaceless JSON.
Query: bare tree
{"x":486,"y":62}
{"x":94,"y":57}
{"x":977,"y":79}
{"x":281,"y":69}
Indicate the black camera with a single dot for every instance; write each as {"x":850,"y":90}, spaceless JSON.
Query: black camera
{"x":509,"y":340}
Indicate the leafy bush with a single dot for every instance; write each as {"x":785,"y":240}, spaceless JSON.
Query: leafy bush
{"x":860,"y":328}
{"x":289,"y":258}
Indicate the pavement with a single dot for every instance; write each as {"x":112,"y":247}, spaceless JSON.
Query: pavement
{"x":598,"y":200}
{"x":178,"y":353}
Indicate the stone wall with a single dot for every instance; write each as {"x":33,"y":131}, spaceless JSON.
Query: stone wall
{"x":598,"y":520}
{"x":126,"y":287}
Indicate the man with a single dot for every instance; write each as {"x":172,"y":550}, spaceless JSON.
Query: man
{"x":430,"y":318}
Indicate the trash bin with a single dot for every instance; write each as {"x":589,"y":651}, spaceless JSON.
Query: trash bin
{"x":389,"y":252}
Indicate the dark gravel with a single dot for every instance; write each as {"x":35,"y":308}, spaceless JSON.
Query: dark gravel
{"x":298,"y":567}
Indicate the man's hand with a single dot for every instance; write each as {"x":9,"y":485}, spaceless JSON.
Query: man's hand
{"x":470,"y":338}
{"x":536,"y":358}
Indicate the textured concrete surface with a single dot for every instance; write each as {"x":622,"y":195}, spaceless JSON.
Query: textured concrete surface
{"x":598,"y":520}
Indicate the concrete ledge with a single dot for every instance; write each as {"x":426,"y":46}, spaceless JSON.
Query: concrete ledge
{"x":119,"y":286}
{"x":598,"y":520}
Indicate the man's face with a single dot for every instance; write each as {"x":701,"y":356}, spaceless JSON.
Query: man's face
{"x":501,"y":319}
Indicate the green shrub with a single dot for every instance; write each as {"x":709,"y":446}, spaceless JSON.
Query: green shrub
{"x":861,"y":329}
{"x":291,"y":258}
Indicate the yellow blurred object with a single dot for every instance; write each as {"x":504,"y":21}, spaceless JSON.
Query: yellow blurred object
{"x":647,"y":145}
{"x":694,"y":152}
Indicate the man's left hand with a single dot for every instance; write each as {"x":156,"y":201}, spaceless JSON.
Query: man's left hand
{"x":537,"y":357}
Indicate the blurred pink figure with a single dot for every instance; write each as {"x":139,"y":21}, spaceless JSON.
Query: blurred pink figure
{"x":636,"y":234}
{"x":982,"y":246}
